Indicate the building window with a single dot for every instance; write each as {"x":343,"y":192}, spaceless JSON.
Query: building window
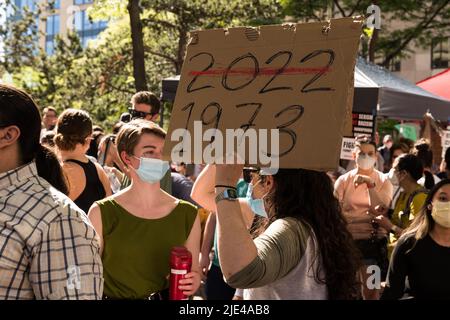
{"x":54,"y":4}
{"x":87,"y":30}
{"x":395,"y":64}
{"x":49,"y":47}
{"x":30,"y":4}
{"x":17,"y":13}
{"x":439,"y":53}
{"x":82,"y":1}
{"x":51,"y":30}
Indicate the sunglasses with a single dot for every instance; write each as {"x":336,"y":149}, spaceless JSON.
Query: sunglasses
{"x":139,"y":114}
{"x":247,"y":174}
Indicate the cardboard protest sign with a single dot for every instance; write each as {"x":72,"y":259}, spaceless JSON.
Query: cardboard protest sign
{"x":348,"y":121}
{"x":297,"y":78}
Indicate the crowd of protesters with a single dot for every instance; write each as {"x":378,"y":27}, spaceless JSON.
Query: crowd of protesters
{"x":88,"y":214}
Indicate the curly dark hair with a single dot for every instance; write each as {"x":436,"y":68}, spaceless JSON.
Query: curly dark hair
{"x":423,"y":151}
{"x":411,"y":164}
{"x":73,"y":127}
{"x":308,"y":196}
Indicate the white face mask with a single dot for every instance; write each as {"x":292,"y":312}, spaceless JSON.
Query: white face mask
{"x":151,"y":170}
{"x":365,"y":162}
{"x":441,"y":213}
{"x":393,"y":177}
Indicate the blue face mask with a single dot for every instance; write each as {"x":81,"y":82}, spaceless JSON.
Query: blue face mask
{"x":152,"y":170}
{"x":257,"y":205}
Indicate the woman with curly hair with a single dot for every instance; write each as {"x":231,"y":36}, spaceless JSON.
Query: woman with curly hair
{"x":303,"y":252}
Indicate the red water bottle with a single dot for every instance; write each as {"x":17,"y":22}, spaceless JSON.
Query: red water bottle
{"x":180,"y":265}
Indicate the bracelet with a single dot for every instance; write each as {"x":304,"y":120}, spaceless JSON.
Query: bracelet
{"x":224,"y":186}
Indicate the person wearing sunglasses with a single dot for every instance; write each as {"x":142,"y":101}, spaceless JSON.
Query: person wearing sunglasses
{"x":144,"y":105}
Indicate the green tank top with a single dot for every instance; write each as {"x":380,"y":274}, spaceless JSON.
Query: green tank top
{"x":136,"y":251}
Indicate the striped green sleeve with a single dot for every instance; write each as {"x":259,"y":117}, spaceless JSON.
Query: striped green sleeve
{"x":279,"y":248}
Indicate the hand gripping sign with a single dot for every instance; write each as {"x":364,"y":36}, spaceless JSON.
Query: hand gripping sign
{"x":275,"y":95}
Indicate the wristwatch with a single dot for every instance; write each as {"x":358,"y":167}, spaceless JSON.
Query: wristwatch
{"x":227,"y":194}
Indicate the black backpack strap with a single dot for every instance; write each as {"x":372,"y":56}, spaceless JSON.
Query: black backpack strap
{"x":411,"y":198}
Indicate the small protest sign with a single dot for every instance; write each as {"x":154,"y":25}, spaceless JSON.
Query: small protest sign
{"x":348,"y":144}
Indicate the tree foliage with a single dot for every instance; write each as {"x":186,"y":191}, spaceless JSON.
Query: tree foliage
{"x":403,"y":22}
{"x":100,"y":79}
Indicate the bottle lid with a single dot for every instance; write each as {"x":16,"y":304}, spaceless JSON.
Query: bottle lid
{"x":180,"y":255}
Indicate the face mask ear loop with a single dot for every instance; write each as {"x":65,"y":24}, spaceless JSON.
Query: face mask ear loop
{"x":139,"y":163}
{"x":266,"y":200}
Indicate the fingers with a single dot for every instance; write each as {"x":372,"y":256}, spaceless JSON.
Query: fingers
{"x":189,"y":279}
{"x":190,"y":275}
{"x":189,"y":293}
{"x":190,"y":283}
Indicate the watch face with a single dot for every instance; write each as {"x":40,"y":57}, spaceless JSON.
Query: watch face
{"x":231,"y":193}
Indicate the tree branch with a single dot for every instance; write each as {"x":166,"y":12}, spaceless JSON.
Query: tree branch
{"x":355,"y":8}
{"x":336,"y":2}
{"x":162,"y":55}
{"x":420,"y":27}
{"x":114,"y":87}
{"x":161,"y":22}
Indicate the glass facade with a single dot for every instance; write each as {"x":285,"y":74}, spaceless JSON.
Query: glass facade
{"x":54,"y":4}
{"x":82,"y":1}
{"x":16,"y":14}
{"x":30,"y":4}
{"x":86,"y":29}
{"x":395,"y":65}
{"x":51,"y":30}
{"x":440,"y":53}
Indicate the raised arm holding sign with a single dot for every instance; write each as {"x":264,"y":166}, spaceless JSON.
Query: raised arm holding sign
{"x":294,"y":81}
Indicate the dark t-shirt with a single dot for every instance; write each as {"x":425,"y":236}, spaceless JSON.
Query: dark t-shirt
{"x":443,"y":175}
{"x":427,"y":266}
{"x":182,"y":187}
